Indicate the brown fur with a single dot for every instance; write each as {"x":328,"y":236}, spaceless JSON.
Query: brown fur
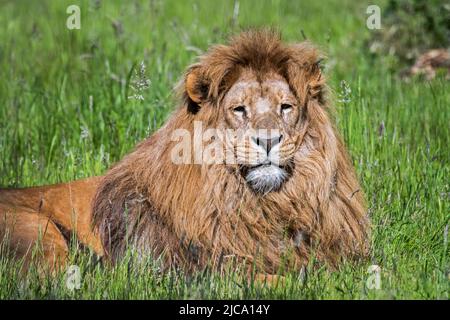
{"x":48,"y":215}
{"x":198,"y":215}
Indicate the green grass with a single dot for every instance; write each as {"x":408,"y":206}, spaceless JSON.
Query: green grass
{"x":65,"y":114}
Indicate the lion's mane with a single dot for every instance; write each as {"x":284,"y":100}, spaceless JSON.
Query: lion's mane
{"x":195,"y":215}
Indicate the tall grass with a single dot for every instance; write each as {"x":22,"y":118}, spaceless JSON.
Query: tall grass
{"x":66,"y":113}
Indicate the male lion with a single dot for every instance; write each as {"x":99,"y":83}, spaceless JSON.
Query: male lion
{"x":287,"y":198}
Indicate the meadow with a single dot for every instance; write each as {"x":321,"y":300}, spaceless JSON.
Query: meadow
{"x":71,"y":106}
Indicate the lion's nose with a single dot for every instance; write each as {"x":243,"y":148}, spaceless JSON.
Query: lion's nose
{"x":267,"y":144}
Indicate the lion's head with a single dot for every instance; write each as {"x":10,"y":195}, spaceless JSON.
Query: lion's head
{"x":289,"y":189}
{"x":259,"y":87}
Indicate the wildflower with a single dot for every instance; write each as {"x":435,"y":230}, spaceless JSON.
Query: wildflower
{"x":345,"y":95}
{"x":140,"y":83}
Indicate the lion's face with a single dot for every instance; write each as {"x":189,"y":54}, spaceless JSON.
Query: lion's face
{"x":260,"y":91}
{"x":264,"y":114}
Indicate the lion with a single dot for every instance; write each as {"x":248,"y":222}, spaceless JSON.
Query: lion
{"x":287,"y":199}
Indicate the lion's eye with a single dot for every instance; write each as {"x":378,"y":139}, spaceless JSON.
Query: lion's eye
{"x":240,"y":111}
{"x":285,"y":108}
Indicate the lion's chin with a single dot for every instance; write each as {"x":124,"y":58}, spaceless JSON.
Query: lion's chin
{"x":266,"y":178}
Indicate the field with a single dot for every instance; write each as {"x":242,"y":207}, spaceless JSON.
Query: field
{"x":70,"y":108}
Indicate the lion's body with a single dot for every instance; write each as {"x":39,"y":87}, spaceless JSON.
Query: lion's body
{"x":198,"y":215}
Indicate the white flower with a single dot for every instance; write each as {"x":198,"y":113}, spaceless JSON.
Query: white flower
{"x":140,"y":83}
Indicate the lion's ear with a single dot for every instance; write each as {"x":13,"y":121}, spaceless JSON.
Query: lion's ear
{"x":304,"y":72}
{"x":316,"y":83}
{"x":196,"y":84}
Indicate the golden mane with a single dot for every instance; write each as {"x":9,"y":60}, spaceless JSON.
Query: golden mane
{"x":198,"y":215}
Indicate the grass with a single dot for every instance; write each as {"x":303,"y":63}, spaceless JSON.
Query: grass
{"x":65,"y":113}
